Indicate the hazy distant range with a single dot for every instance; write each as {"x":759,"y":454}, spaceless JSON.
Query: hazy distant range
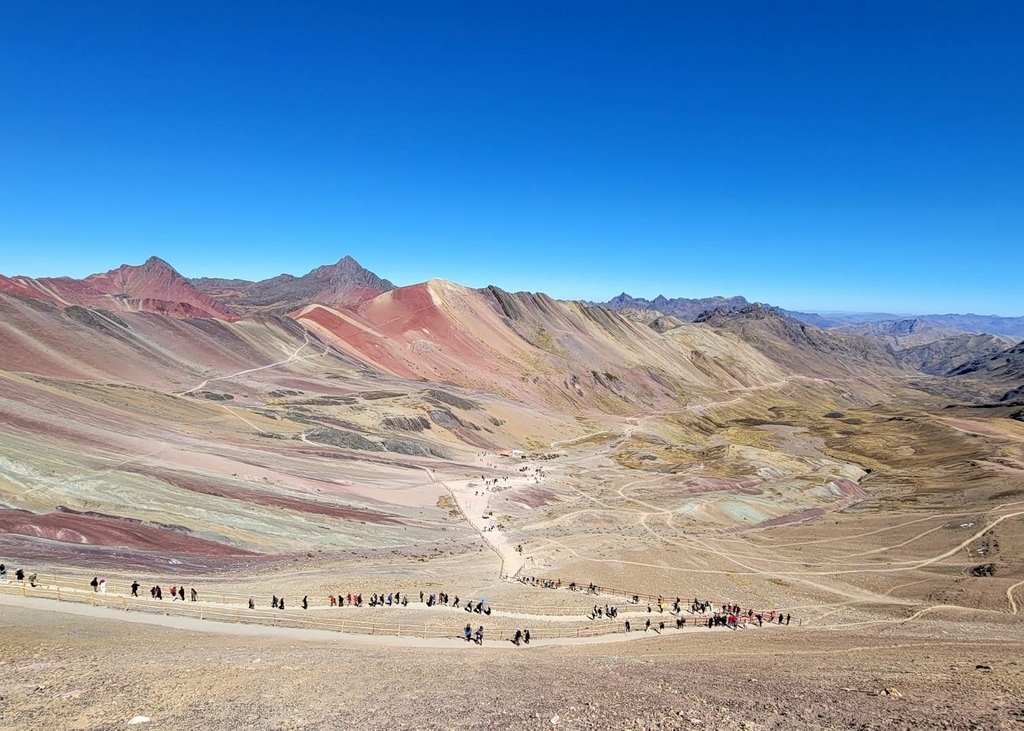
{"x":688,"y":309}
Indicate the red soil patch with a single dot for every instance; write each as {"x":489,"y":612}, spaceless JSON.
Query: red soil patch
{"x":77,"y":528}
{"x":266,"y":499}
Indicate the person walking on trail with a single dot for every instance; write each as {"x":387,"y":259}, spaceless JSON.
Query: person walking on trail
{"x":305,"y":602}
{"x":480,"y":635}
{"x":3,"y":572}
{"x":468,"y":632}
{"x":34,"y":576}
{"x":195,"y":594}
{"x":526,"y":636}
{"x":273,"y":602}
{"x":280,"y":603}
{"x":135,"y":589}
{"x":95,"y":583}
{"x":787,"y":620}
{"x":252,"y":603}
{"x":627,"y":626}
{"x":517,"y":637}
{"x":647,"y":626}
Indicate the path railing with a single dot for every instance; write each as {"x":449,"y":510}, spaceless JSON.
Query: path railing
{"x":292,"y":617}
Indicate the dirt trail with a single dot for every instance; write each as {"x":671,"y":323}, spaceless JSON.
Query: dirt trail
{"x":192,"y":624}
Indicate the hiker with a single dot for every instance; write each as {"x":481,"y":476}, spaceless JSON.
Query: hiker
{"x":526,"y":636}
{"x":195,"y":594}
{"x":480,"y":635}
{"x":95,"y":583}
{"x":181,"y":592}
{"x":627,"y":626}
{"x":787,"y":620}
{"x":174,"y":592}
{"x":517,"y":637}
{"x":273,"y":602}
{"x":135,"y":588}
{"x":334,"y":602}
{"x":103,"y":586}
{"x":34,"y":576}
{"x":152,"y":591}
{"x":468,"y":632}
{"x":305,"y":602}
{"x":252,"y":603}
{"x":647,"y":625}
{"x":280,"y":603}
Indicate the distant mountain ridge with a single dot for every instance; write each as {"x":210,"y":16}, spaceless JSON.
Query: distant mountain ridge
{"x":154,"y":286}
{"x":1012,"y":327}
{"x":343,"y":283}
{"x":686,"y":309}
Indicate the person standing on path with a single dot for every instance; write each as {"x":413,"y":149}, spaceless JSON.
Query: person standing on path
{"x":526,"y":636}
{"x":135,"y":589}
{"x":305,"y":602}
{"x":95,"y":583}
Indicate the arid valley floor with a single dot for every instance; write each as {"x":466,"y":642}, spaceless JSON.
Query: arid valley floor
{"x":498,"y":447}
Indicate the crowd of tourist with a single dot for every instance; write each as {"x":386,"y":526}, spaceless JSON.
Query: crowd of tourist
{"x":705,"y":613}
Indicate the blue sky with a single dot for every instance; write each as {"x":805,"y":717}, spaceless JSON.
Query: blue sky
{"x":857,"y":156}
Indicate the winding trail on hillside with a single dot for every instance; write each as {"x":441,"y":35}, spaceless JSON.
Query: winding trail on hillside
{"x":1009,"y":597}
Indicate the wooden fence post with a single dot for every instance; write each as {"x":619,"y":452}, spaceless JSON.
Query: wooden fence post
{"x":58,"y":594}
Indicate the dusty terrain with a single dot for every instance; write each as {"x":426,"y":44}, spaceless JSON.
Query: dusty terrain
{"x":490,"y":446}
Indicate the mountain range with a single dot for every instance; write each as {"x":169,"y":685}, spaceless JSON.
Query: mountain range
{"x":489,"y":338}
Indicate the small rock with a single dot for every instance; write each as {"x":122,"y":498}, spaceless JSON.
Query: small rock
{"x":890,"y":693}
{"x":138,"y":719}
{"x":982,"y":667}
{"x":554,"y":720}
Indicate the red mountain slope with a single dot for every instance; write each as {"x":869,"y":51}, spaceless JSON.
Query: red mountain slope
{"x":152,"y":287}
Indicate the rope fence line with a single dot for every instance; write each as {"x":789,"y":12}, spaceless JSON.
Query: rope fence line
{"x":72,"y":587}
{"x":281,"y":618}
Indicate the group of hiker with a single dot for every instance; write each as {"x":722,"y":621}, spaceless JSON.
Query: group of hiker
{"x":471,"y":636}
{"x":731,"y":615}
{"x":19,"y":574}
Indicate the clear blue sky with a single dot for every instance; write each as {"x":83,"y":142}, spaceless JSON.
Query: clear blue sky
{"x":816,"y":155}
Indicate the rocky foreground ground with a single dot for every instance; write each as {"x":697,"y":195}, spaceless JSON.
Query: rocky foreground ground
{"x":59,"y":671}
